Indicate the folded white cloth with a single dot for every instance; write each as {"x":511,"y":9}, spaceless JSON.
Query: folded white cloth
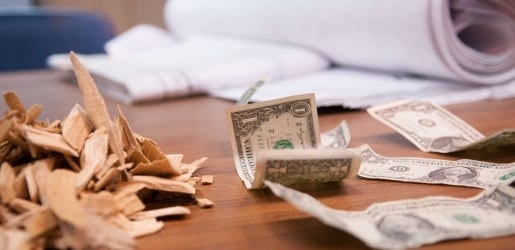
{"x":146,"y":63}
{"x":464,"y":40}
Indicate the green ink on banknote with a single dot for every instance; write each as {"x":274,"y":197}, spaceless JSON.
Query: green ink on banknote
{"x":283,"y":144}
{"x":466,"y":218}
{"x":507,"y":176}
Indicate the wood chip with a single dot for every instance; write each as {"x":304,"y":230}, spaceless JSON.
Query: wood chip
{"x":127,"y":188}
{"x":20,"y":185}
{"x":109,"y":177}
{"x":187,"y":169}
{"x":32,"y":187}
{"x":121,"y":221}
{"x":79,"y":183}
{"x":32,"y":113}
{"x":95,"y":105}
{"x":40,"y":171}
{"x":128,"y":137}
{"x":17,"y":220}
{"x":159,"y":164}
{"x":6,"y":215}
{"x":7,"y":177}
{"x":145,"y":227}
{"x":162,"y":184}
{"x":14,"y":103}
{"x":137,"y":157}
{"x":93,"y":157}
{"x":151,"y":151}
{"x":160,"y":168}
{"x":202,"y":201}
{"x":76,"y":128}
{"x":103,"y":235}
{"x":5,"y":127}
{"x":71,"y":162}
{"x":22,"y":205}
{"x":62,"y":198}
{"x":102,"y":203}
{"x":130,"y":204}
{"x":206,"y":179}
{"x":49,"y":141}
{"x":175,"y":161}
{"x":109,"y":163}
{"x":15,"y":239}
{"x":155,"y":213}
{"x":39,"y":222}
{"x":205,"y":202}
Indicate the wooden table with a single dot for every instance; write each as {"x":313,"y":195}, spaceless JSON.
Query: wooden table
{"x":243,"y":219}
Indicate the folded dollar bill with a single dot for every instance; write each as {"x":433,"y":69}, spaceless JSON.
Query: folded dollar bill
{"x":434,"y":129}
{"x":411,"y":223}
{"x":304,"y":165}
{"x":280,"y":140}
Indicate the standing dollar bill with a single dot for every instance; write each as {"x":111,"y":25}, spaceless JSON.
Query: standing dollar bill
{"x":304,"y":165}
{"x":433,"y":129}
{"x":424,"y":170}
{"x":285,"y":123}
{"x":411,"y":223}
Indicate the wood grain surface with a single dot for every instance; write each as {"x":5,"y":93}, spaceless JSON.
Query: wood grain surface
{"x":243,"y":219}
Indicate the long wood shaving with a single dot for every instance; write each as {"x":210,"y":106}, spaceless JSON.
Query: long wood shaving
{"x":83,"y":182}
{"x":95,"y":105}
{"x":168,"y":211}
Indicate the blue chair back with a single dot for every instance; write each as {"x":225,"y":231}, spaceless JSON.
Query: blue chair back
{"x":29,"y":36}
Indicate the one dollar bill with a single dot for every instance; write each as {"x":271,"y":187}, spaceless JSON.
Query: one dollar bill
{"x":289,"y":123}
{"x":412,"y":223}
{"x":290,"y":167}
{"x":462,"y":172}
{"x":433,"y":129}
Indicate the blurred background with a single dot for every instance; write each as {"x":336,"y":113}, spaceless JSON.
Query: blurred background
{"x":445,"y":51}
{"x":31,"y":30}
{"x":122,"y":13}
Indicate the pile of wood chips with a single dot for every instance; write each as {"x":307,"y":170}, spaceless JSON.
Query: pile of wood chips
{"x":79,"y":183}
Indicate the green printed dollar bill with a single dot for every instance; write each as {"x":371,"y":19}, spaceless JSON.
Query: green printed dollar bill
{"x":434,"y":129}
{"x":405,"y":224}
{"x":462,"y":172}
{"x":304,"y":166}
{"x":285,"y":123}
